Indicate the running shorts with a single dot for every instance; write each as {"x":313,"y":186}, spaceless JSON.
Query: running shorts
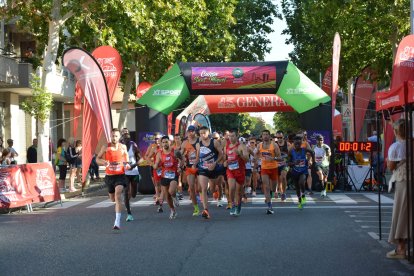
{"x":156,"y":174}
{"x":238,"y":175}
{"x":112,"y":181}
{"x":325,"y":170}
{"x":248,"y":172}
{"x":282,"y":168}
{"x":167,"y":181}
{"x":190,"y":171}
{"x":218,"y":170}
{"x":272,"y":173}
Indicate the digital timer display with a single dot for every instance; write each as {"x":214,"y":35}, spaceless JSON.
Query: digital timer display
{"x":355,"y":146}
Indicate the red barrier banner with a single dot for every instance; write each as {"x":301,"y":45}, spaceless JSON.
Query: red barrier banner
{"x":27,"y":183}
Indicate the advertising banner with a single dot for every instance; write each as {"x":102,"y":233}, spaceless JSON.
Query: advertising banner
{"x":145,"y":139}
{"x":327,"y":81}
{"x":336,"y":54}
{"x":27,"y":183}
{"x":242,"y":77}
{"x":246,"y":103}
{"x":313,"y":133}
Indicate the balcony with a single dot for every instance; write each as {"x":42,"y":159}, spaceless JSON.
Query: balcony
{"x":13,"y":73}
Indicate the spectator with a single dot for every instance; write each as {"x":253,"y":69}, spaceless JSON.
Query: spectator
{"x":6,"y":157}
{"x":374,"y":137}
{"x":1,"y":147}
{"x":13,"y":152}
{"x":72,"y":163}
{"x":94,"y":169}
{"x":32,"y":152}
{"x":399,"y":232}
{"x":78,"y":160}
{"x":61,"y":163}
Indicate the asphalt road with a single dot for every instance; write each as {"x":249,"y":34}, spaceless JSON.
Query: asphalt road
{"x":335,"y":236}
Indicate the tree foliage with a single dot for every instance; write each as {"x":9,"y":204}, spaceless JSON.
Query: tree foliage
{"x":41,"y":102}
{"x":369,"y":30}
{"x":287,"y":121}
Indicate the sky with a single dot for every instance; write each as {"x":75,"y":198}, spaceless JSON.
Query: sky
{"x":280,"y":51}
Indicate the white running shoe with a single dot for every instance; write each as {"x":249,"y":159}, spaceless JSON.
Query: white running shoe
{"x":254,"y":194}
{"x":219,"y":203}
{"x":173,"y":214}
{"x":176,"y":202}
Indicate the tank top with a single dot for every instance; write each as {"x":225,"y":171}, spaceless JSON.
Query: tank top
{"x":320,"y":155}
{"x":191,"y":153}
{"x":284,"y":152}
{"x":208,"y":154}
{"x":133,"y":160}
{"x":272,"y":164}
{"x":300,"y":162}
{"x":116,"y":160}
{"x":234,"y":162}
{"x":169,"y":165}
{"x":249,"y":163}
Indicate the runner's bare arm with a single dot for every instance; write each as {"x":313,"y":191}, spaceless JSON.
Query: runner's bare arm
{"x":100,"y":157}
{"x":157,"y":160}
{"x":197,"y":159}
{"x":244,"y":152}
{"x":277,"y":150}
{"x":220,"y":152}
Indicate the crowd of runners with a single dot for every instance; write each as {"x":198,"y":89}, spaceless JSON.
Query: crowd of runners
{"x":225,"y":166}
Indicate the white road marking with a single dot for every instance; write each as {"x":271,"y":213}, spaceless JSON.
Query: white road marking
{"x":384,"y":199}
{"x":103,"y":204}
{"x":341,"y":199}
{"x":70,"y":203}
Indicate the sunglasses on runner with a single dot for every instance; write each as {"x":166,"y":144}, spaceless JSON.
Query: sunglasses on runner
{"x":280,"y":137}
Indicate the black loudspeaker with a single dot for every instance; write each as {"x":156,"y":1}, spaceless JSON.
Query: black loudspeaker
{"x":149,"y":120}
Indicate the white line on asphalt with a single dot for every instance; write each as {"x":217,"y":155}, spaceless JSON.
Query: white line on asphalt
{"x":341,"y":199}
{"x":369,"y":211}
{"x":371,"y":221}
{"x":70,"y":203}
{"x":314,"y":207}
{"x":384,"y":199}
{"x":309,"y":199}
{"x":102,"y":204}
{"x":368,"y":226}
{"x":362,"y":216}
{"x":373,"y":235}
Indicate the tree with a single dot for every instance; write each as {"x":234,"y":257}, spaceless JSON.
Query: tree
{"x":369,"y":30}
{"x":287,"y":121}
{"x":254,"y":23}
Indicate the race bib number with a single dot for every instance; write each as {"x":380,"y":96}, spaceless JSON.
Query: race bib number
{"x":233,"y":165}
{"x":300,"y":163}
{"x":159,"y":172}
{"x":205,"y":165}
{"x":318,"y":159}
{"x":169,"y":175}
{"x":115,"y":166}
{"x":192,"y":158}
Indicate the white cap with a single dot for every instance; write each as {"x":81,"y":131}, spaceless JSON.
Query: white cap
{"x":242,"y":139}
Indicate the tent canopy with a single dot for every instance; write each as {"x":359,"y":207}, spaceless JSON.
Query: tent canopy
{"x":280,"y":77}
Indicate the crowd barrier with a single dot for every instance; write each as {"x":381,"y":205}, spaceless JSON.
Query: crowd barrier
{"x":25,"y":184}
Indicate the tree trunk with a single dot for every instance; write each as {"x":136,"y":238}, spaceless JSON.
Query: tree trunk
{"x":127,"y":88}
{"x":43,"y":141}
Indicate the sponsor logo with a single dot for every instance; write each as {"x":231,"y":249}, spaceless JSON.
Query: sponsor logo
{"x":226,"y":103}
{"x":365,"y":85}
{"x":237,"y":73}
{"x":298,"y":91}
{"x":166,"y":92}
{"x":43,"y":179}
{"x":390,"y":100}
{"x":263,"y":101}
{"x":107,"y":66}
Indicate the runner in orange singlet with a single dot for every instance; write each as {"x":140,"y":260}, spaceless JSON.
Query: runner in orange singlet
{"x":156,"y":174}
{"x":188,"y":149}
{"x":268,"y":152}
{"x":114,"y":157}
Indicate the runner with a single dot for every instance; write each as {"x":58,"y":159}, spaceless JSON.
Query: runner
{"x":114,"y":157}
{"x":248,"y":171}
{"x":298,"y":159}
{"x":169,"y":164}
{"x":255,"y":165}
{"x":176,"y":146}
{"x":221,"y":183}
{"x":283,"y":169}
{"x":306,"y":145}
{"x":132,"y":175}
{"x":322,"y":155}
{"x":188,"y":149}
{"x":209,"y":158}
{"x":268,"y":152}
{"x":155,"y":174}
{"x":236,"y":155}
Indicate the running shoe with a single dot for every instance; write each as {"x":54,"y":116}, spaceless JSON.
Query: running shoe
{"x":254,"y":194}
{"x":277,"y":195}
{"x":219,"y":203}
{"x":160,"y":210}
{"x":129,"y":218}
{"x":270,"y":211}
{"x":173,"y":214}
{"x":283,"y":197}
{"x":238,"y":211}
{"x":215,"y":195}
{"x":322,"y":194}
{"x":116,"y":228}
{"x":228,"y":206}
{"x":233,"y":211}
{"x":157,"y":202}
{"x":180,"y":196}
{"x":176,"y":202}
{"x":205,"y":214}
{"x":303,"y":200}
{"x":196,"y":211}
{"x":310,"y":193}
{"x":249,"y":190}
{"x":300,"y":205}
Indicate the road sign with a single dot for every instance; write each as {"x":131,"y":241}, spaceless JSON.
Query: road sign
{"x":346,"y":112}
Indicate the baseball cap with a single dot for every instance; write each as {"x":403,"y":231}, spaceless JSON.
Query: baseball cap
{"x":191,"y":128}
{"x":319,"y":137}
{"x":242,"y":139}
